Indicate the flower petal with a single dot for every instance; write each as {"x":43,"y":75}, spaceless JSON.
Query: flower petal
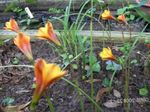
{"x":45,"y":75}
{"x":12,"y":25}
{"x":48,"y":33}
{"x":23,"y":43}
{"x":106,"y":54}
{"x":106,"y":15}
{"x":122,"y":18}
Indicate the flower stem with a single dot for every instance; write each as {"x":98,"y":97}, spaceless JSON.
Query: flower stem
{"x":91,"y":52}
{"x":80,"y":98}
{"x":110,"y":84}
{"x":50,"y":104}
{"x":126,"y":89}
{"x":96,"y":105}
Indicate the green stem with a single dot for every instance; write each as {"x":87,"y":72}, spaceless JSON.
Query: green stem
{"x":79,"y":95}
{"x":126,"y":89}
{"x":110,"y":84}
{"x":69,"y":82}
{"x":91,"y":51}
{"x":50,"y":104}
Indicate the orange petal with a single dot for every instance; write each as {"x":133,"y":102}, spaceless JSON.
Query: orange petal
{"x":106,"y":54}
{"x":148,"y":46}
{"x":45,"y":75}
{"x":38,"y":70}
{"x":106,"y":15}
{"x":48,"y":33}
{"x":122,"y":18}
{"x":12,"y":25}
{"x":23,"y":43}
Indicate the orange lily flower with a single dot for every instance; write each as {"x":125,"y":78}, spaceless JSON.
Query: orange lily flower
{"x":122,"y":18}
{"x":106,"y":15}
{"x":48,"y":33}
{"x":12,"y":25}
{"x":106,"y":54}
{"x":23,"y":43}
{"x":148,"y":46}
{"x":45,"y":74}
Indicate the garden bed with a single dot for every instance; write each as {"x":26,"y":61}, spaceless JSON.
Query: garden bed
{"x":107,"y":60}
{"x":17,"y":82}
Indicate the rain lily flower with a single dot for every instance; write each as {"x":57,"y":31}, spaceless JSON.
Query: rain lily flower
{"x":122,"y":18}
{"x":106,"y":15}
{"x":48,"y":33}
{"x":12,"y":25}
{"x":23,"y":43}
{"x":45,"y":74}
{"x":148,"y":46}
{"x":106,"y":54}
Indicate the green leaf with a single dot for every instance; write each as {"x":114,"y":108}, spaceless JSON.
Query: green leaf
{"x":147,"y":41}
{"x":121,"y":11}
{"x":1,"y":43}
{"x":15,"y":61}
{"x":70,"y":56}
{"x":84,"y":39}
{"x":94,"y":63}
{"x":132,"y":17}
{"x":143,"y":91}
{"x":131,"y":6}
{"x":33,"y":86}
{"x":134,"y":61}
{"x":7,"y":101}
{"x":96,"y":67}
{"x":92,"y":58}
{"x":75,"y":66}
{"x":23,"y":21}
{"x":145,"y":16}
{"x":28,"y":22}
{"x":64,"y":56}
{"x":105,"y":82}
{"x":113,"y":66}
{"x":9,"y":7}
{"x":31,"y":1}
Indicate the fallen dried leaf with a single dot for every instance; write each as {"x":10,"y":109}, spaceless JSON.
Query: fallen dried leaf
{"x":22,"y":91}
{"x":17,"y":108}
{"x":94,"y":80}
{"x":116,"y":93}
{"x":101,"y":92}
{"x":111,"y":104}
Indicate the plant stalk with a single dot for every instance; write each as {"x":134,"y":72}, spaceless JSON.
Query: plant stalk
{"x":50,"y":104}
{"x":84,"y":93}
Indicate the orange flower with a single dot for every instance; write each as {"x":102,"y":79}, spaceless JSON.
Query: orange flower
{"x":106,"y":54}
{"x":106,"y":15}
{"x":23,"y":43}
{"x":45,"y":75}
{"x":148,"y":46}
{"x":122,"y":18}
{"x":12,"y":25}
{"x":48,"y":33}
